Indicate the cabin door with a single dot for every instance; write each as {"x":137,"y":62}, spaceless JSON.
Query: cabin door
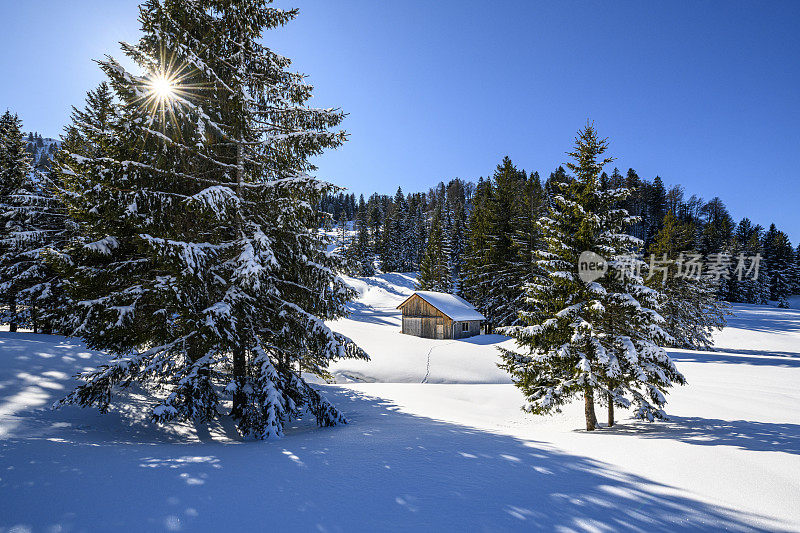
{"x":440,"y":331}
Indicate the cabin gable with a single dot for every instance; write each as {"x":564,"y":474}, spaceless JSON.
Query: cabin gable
{"x":423,"y":319}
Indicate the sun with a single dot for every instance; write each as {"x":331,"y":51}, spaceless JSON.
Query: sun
{"x":162,"y":87}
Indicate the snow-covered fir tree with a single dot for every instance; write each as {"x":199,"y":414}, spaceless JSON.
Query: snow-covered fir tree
{"x":15,"y":171}
{"x":37,"y":227}
{"x":526,"y":241}
{"x":689,"y":300}
{"x":780,"y":265}
{"x":595,"y":338}
{"x":503,"y":274}
{"x":201,"y":268}
{"x":397,"y":239}
{"x":361,"y":258}
{"x":434,"y":273}
{"x":476,"y":272}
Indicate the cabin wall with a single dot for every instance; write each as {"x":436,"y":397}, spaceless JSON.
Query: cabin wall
{"x":422,"y":319}
{"x":474,"y":329}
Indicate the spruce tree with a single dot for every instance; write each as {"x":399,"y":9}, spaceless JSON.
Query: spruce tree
{"x":586,"y":337}
{"x":37,"y":227}
{"x":364,"y":258}
{"x":419,"y":236}
{"x":201,"y":269}
{"x":477,"y":272}
{"x":527,"y":242}
{"x":657,"y":209}
{"x":688,"y":303}
{"x":782,"y":268}
{"x":397,"y":237}
{"x":434,"y":274}
{"x":15,"y":170}
{"x":505,"y":284}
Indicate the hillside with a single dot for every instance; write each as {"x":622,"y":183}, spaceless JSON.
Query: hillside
{"x":453,"y":453}
{"x":396,"y":358}
{"x":41,"y":149}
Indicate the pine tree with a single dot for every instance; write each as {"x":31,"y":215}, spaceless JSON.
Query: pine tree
{"x":419,"y":236}
{"x":634,"y":203}
{"x":527,"y":242}
{"x":434,"y":274}
{"x":15,"y":170}
{"x":689,"y":302}
{"x":596,"y":337}
{"x":657,"y":209}
{"x":796,"y":271}
{"x":37,"y":227}
{"x":746,"y":246}
{"x":201,"y":269}
{"x":396,"y":250}
{"x":477,"y":276}
{"x":781,"y":265}
{"x":718,"y":228}
{"x":364,"y":258}
{"x":505,"y":285}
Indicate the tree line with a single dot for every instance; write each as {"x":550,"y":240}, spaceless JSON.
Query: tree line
{"x":477,"y":240}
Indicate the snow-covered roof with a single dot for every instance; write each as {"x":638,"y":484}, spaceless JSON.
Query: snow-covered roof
{"x":455,"y":307}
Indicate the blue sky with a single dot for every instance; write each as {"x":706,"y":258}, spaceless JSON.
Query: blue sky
{"x":706,"y":94}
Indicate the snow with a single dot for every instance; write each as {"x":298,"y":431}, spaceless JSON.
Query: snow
{"x":375,"y":325}
{"x":453,"y":453}
{"x":455,"y":307}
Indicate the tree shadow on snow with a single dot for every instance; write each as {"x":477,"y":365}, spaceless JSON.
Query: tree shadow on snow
{"x":406,"y":280}
{"x":364,"y":313}
{"x":385,"y":471}
{"x":485,"y":340}
{"x":393,"y":281}
{"x":765,"y":319}
{"x":744,"y":434}
{"x":738,"y":357}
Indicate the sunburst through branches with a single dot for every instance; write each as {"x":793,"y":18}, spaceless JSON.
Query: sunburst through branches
{"x":166,"y":87}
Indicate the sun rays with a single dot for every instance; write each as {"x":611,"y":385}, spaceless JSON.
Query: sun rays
{"x":168,"y":86}
{"x":162,"y":87}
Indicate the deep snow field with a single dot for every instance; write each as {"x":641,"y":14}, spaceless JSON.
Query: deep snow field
{"x":436,"y":442}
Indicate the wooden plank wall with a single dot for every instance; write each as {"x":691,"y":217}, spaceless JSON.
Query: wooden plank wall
{"x":421,"y":318}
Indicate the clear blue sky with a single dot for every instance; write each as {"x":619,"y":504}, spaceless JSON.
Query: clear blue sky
{"x":706,"y":94}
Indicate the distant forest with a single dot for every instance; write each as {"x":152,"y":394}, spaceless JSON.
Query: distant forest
{"x":478,"y":240}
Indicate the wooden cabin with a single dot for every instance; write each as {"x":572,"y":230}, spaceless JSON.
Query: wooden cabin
{"x":438,"y":315}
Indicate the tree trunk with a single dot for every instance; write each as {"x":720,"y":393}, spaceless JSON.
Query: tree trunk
{"x":591,"y":418}
{"x":610,"y":410}
{"x":12,"y":323}
{"x":238,"y":376}
{"x":239,"y":362}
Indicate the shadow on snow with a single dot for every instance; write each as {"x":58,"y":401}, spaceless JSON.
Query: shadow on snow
{"x":738,"y":357}
{"x":386,"y":470}
{"x":763,"y":318}
{"x":743,"y":434}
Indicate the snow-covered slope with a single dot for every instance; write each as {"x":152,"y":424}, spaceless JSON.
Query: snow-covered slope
{"x":397,"y":358}
{"x":452,"y":454}
{"x":734,"y":436}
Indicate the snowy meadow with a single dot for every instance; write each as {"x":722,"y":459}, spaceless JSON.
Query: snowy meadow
{"x":435,"y":441}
